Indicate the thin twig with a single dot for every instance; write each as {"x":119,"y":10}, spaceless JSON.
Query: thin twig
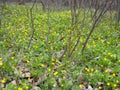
{"x":32,"y":24}
{"x":104,"y":9}
{"x":48,"y":25}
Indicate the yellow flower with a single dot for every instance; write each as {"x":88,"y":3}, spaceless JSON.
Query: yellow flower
{"x":53,"y":60}
{"x":96,"y":71}
{"x":12,"y":67}
{"x":106,"y":71}
{"x":53,"y":33}
{"x":108,"y":84}
{"x":62,"y":85}
{"x":114,"y":85}
{"x":12,"y":58}
{"x":113,"y":74}
{"x":99,"y":38}
{"x":0,"y":59}
{"x":64,"y":56}
{"x":20,"y":88}
{"x":101,"y":65}
{"x":3,"y":80}
{"x":29,"y":79}
{"x":61,"y":64}
{"x":87,"y":69}
{"x":27,"y":87}
{"x":63,"y":71}
{"x":100,"y":87}
{"x":109,"y":53}
{"x":80,"y":85}
{"x":42,"y":65}
{"x":20,"y":73}
{"x":13,"y":53}
{"x":64,"y":77}
{"x":3,"y":88}
{"x":57,"y":61}
{"x":108,"y":42}
{"x":92,"y":70}
{"x":105,"y":59}
{"x":117,"y":81}
{"x":49,"y":70}
{"x":36,"y":46}
{"x":119,"y":61}
{"x":28,"y":61}
{"x":1,"y":63}
{"x":55,"y":73}
{"x":53,"y":63}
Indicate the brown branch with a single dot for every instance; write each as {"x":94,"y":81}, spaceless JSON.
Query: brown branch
{"x":79,"y":32}
{"x":73,"y":21}
{"x":60,"y":59}
{"x":32,"y":24}
{"x":48,"y":25}
{"x":103,"y":11}
{"x":74,"y":47}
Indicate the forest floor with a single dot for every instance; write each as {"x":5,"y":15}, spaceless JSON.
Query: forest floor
{"x":33,"y":64}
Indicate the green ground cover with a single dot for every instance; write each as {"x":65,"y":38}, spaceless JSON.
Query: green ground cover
{"x":99,"y":67}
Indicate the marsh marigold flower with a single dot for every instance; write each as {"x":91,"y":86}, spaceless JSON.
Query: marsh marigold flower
{"x":99,"y":87}
{"x":26,"y":87}
{"x":119,"y":61}
{"x":0,"y":59}
{"x":105,"y":59}
{"x":114,"y":85}
{"x":12,"y":58}
{"x":1,"y":63}
{"x":3,"y":80}
{"x":49,"y":69}
{"x":81,"y":86}
{"x":108,"y":84}
{"x":62,"y":85}
{"x":42,"y":65}
{"x":113,"y":74}
{"x":55,"y":73}
{"x":20,"y":88}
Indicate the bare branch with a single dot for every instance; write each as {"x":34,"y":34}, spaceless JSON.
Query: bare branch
{"x":32,"y":24}
{"x":103,"y":11}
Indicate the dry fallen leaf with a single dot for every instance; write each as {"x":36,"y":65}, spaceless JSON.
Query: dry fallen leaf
{"x":35,"y":88}
{"x":58,"y":54}
{"x":90,"y":87}
{"x":14,"y":82}
{"x":27,"y":74}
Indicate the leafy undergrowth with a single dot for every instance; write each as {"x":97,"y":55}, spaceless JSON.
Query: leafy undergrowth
{"x":23,"y":68}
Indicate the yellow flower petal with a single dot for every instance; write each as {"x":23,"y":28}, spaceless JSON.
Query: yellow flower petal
{"x":3,"y":80}
{"x":80,"y":85}
{"x":20,"y":88}
{"x":108,"y":84}
{"x":1,"y":63}
{"x":55,"y":73}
